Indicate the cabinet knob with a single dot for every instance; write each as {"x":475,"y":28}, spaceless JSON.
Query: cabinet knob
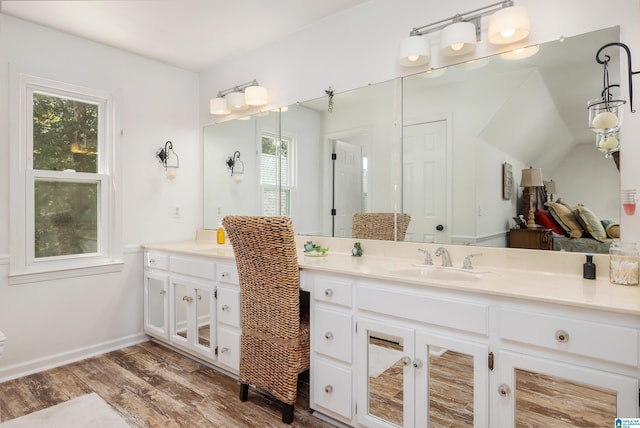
{"x":225,"y":308}
{"x":328,"y":292}
{"x":405,"y":361}
{"x":504,"y":390}
{"x":187,"y":299}
{"x":152,"y":261}
{"x":199,"y":297}
{"x":328,"y":335}
{"x":328,"y":389}
{"x":417,"y":364}
{"x":225,"y":274}
{"x":162,"y":292}
{"x":224,"y":350}
{"x":562,"y":336}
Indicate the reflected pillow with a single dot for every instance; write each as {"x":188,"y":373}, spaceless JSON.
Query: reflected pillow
{"x":612,"y":229}
{"x":566,"y":219}
{"x":561,"y":202}
{"x":544,"y":218}
{"x":590,"y":222}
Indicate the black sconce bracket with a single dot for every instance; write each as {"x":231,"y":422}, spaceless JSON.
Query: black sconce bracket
{"x":231,"y":162}
{"x":630,"y":72}
{"x":163,"y":155}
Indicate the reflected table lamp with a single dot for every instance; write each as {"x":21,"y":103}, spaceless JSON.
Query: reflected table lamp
{"x":531,"y":178}
{"x":550,"y":187}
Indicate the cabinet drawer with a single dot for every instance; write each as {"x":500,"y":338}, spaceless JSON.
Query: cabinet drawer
{"x":332,"y":290}
{"x":332,"y":388}
{"x":229,"y":306}
{"x":156,"y":260}
{"x":229,"y":348}
{"x":194,"y":267}
{"x":332,"y":334}
{"x":597,"y":340}
{"x":227,"y":274}
{"x":459,"y":314}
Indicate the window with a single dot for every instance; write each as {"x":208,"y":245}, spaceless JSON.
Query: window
{"x":277,"y":167}
{"x":62,"y":163}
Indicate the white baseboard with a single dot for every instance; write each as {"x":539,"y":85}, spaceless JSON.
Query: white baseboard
{"x":34,"y":366}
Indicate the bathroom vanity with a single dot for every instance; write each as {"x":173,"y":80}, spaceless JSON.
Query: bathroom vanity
{"x":397,"y":343}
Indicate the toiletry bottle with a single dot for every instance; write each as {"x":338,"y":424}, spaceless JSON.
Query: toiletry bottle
{"x":220,"y":234}
{"x":589,"y":268}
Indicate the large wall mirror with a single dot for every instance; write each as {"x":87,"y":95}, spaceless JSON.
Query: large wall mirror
{"x":433,"y":146}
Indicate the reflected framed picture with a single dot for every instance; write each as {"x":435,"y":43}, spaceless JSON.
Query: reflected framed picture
{"x":507,"y":180}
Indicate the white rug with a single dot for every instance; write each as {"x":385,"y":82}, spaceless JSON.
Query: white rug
{"x":381,"y":359}
{"x":86,"y":411}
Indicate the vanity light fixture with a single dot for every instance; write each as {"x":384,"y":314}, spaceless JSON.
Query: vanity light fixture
{"x":460,"y":33}
{"x":531,"y":178}
{"x":606,"y":111}
{"x":236,"y":166}
{"x":238,"y":98}
{"x":169,"y":159}
{"x":520,"y":53}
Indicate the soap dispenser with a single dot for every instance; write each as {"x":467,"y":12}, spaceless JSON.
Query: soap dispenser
{"x":220,"y":234}
{"x":589,"y":268}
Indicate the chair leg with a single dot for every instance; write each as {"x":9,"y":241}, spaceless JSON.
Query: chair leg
{"x":244,"y":391}
{"x":287,"y":413}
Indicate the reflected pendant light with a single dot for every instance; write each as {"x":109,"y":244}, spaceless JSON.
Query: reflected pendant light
{"x":509,"y":25}
{"x":218,"y":106}
{"x":414,"y":51}
{"x":521,"y":53}
{"x":235,"y":101}
{"x":458,"y":38}
{"x":256,"y":95}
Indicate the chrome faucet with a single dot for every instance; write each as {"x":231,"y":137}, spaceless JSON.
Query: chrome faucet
{"x":427,"y":256}
{"x":446,"y":258}
{"x":467,"y":260}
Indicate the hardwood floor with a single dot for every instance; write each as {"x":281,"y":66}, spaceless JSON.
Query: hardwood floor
{"x":152,"y":386}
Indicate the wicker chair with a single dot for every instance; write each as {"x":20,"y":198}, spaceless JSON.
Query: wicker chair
{"x":274,"y":345}
{"x":379,"y":226}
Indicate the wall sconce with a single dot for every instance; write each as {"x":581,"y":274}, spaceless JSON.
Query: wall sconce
{"x":531,"y":178}
{"x":236,"y":166}
{"x":238,"y":98}
{"x":169,"y":159}
{"x":605,"y":112}
{"x":460,"y":33}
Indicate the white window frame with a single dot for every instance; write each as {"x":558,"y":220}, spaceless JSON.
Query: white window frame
{"x":291,"y":171}
{"x":24,"y":267}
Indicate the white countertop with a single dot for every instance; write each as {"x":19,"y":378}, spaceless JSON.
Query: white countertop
{"x":544,"y":276}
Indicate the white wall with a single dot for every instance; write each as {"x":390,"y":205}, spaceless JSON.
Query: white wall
{"x":359,"y":47}
{"x":52,"y":321}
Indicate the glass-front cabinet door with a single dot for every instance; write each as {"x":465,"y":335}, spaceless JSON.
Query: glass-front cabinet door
{"x":414,"y":378}
{"x":536,"y":392}
{"x":156,"y":304}
{"x":193,"y":315}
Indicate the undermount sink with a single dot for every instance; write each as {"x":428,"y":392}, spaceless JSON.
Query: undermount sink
{"x":434,"y":272}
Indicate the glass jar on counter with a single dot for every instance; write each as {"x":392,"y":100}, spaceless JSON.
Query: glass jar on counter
{"x":624,"y":263}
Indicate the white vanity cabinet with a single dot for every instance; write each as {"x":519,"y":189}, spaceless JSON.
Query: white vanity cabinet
{"x":422,"y":358}
{"x":156,"y":295}
{"x":588,"y":359}
{"x":193,"y":303}
{"x":332,"y":346}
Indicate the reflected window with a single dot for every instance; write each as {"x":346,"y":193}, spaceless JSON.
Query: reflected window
{"x":277,"y":167}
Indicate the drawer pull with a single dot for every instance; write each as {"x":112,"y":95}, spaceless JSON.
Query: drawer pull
{"x":225,"y":274}
{"x":562,"y":336}
{"x":417,"y":364}
{"x":225,"y":308}
{"x":152,"y":261}
{"x":224,"y":350}
{"x":405,"y":361}
{"x":328,"y":292}
{"x":504,"y":390}
{"x":328,"y":335}
{"x":199,"y":297}
{"x":162,"y":292}
{"x":328,"y":389}
{"x":187,"y":299}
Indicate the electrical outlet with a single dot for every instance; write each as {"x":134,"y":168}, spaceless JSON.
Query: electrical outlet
{"x":176,"y":211}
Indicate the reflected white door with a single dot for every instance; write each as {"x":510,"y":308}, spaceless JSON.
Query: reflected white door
{"x":347,"y":183}
{"x":424,"y":181}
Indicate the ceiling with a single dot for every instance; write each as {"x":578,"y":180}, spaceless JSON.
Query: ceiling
{"x":190,"y":34}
